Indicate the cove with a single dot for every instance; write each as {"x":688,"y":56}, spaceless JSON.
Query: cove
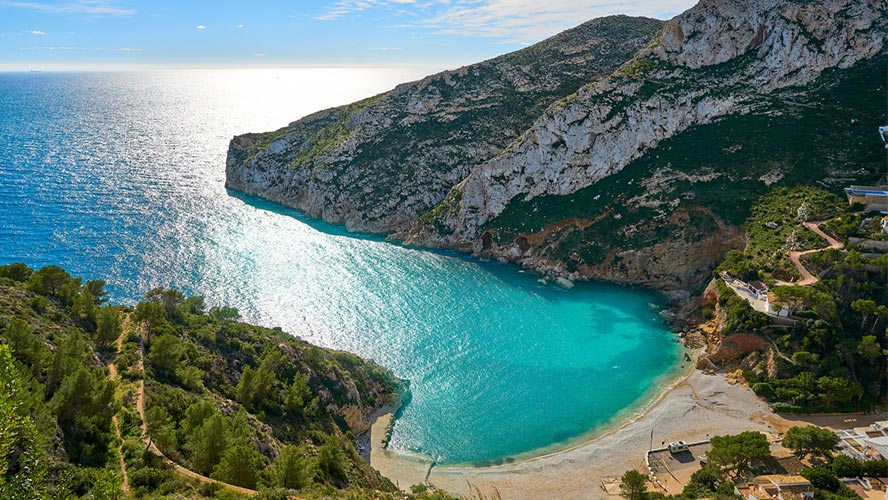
{"x":121,"y":176}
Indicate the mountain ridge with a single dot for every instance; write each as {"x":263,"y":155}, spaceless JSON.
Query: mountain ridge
{"x":717,"y":63}
{"x":377,"y":164}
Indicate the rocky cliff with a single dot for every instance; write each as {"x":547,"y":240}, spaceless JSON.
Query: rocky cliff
{"x":643,"y":175}
{"x":543,"y":202}
{"x":377,"y":164}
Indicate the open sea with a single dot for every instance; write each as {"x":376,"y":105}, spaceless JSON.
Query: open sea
{"x":120,"y":176}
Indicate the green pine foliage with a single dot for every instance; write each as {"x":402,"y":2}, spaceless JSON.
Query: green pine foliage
{"x":250,"y":406}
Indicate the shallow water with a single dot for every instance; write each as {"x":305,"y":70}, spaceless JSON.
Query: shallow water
{"x":121,"y":177}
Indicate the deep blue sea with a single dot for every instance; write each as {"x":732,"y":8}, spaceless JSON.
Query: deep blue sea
{"x":121,"y":176}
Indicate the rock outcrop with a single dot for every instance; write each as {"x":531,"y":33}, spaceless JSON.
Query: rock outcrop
{"x":641,"y":174}
{"x":377,"y":164}
{"x":716,"y":59}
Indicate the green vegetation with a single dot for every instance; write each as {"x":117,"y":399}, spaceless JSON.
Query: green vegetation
{"x":734,"y":455}
{"x":739,"y":315}
{"x":774,"y":228}
{"x":442,"y":211}
{"x":837,"y":346}
{"x":819,"y":136}
{"x":334,"y":131}
{"x":633,"y":485}
{"x":810,"y":440}
{"x":248,"y":406}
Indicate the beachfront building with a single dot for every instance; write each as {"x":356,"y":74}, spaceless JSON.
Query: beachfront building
{"x":758,"y":289}
{"x":872,"y":197}
{"x":778,"y":307}
{"x":865,"y":443}
{"x":779,"y":486}
{"x":878,"y":445}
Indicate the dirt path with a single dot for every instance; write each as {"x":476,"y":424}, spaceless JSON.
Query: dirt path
{"x":146,"y":438}
{"x":795,"y":257}
{"x":112,"y":375}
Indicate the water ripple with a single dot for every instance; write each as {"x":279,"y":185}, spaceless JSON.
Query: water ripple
{"x":121,"y":176}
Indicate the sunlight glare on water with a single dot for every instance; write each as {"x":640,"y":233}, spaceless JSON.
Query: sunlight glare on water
{"x":120,"y":176}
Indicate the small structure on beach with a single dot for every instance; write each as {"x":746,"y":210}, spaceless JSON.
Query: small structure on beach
{"x":780,"y":486}
{"x":758,"y":289}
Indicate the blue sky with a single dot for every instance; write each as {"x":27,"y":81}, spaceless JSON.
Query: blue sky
{"x":98,"y":33}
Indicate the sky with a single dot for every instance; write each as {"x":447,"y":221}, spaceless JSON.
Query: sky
{"x":83,"y":34}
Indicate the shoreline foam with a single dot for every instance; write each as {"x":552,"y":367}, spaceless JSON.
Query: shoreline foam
{"x":693,"y":407}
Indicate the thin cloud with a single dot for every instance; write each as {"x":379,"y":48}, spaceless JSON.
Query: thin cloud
{"x":530,"y":20}
{"x":129,"y":49}
{"x":37,"y":32}
{"x":513,"y":21}
{"x":53,"y":48}
{"x":344,"y":8}
{"x":89,"y":7}
{"x":200,"y":27}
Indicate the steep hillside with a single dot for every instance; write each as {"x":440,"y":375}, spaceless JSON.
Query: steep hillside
{"x":377,"y":164}
{"x":94,"y":393}
{"x":641,"y":177}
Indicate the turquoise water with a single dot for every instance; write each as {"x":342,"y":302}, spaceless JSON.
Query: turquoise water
{"x":121,"y":176}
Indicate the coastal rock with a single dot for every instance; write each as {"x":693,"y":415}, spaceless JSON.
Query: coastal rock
{"x":717,"y":63}
{"x":378,"y":164}
{"x":641,"y":173}
{"x":713,"y":60}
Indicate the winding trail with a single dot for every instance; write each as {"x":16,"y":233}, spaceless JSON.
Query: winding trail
{"x":146,"y":438}
{"x":795,"y":257}
{"x":112,"y":375}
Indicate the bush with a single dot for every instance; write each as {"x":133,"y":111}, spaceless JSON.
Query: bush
{"x":823,"y":478}
{"x":845,"y":466}
{"x":148,"y":478}
{"x":633,"y":485}
{"x":875,"y":468}
{"x":786,"y":408}
{"x":764,"y":390}
{"x":810,"y":440}
{"x":331,"y":459}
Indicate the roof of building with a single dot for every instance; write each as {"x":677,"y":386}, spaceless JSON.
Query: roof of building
{"x":876,"y":190}
{"x":758,"y":285}
{"x":878,"y":441}
{"x":782,"y":480}
{"x":760,"y":495}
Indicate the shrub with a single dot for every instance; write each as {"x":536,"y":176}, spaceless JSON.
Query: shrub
{"x":764,"y":390}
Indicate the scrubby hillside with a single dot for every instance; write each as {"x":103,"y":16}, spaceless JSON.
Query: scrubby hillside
{"x":236,"y":407}
{"x":644,"y":176}
{"x":670,"y":216}
{"x":377,"y":164}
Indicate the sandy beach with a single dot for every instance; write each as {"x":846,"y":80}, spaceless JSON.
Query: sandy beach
{"x":694,"y":408}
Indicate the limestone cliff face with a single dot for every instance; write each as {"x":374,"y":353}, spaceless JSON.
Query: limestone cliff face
{"x":717,"y":58}
{"x":378,"y":164}
{"x":569,"y":163}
